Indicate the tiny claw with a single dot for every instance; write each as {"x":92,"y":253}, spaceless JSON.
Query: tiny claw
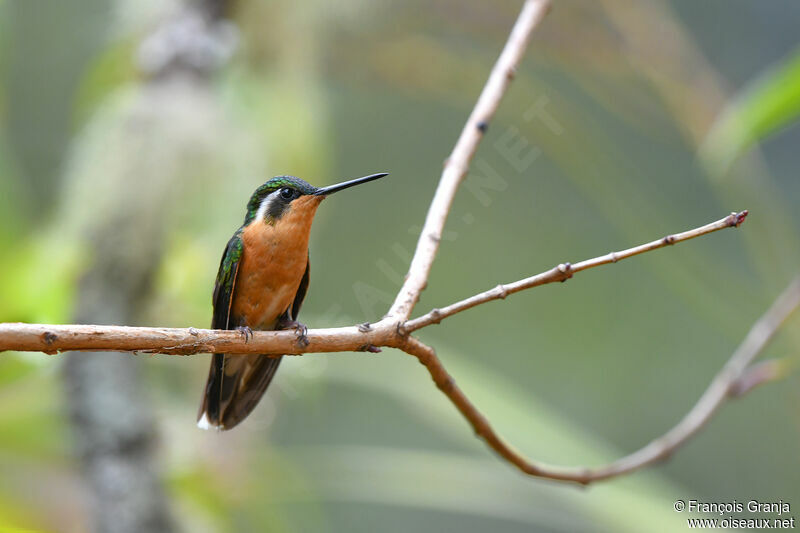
{"x":246,"y":331}
{"x":302,"y":338}
{"x":300,"y":329}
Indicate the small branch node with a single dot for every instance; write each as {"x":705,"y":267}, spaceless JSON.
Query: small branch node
{"x":613,"y":256}
{"x":49,"y":337}
{"x":401,"y":330}
{"x":565,"y":269}
{"x":759,"y":374}
{"x":502,"y":292}
{"x":436,"y":315}
{"x":447,"y":384}
{"x":364,"y":327}
{"x":668,"y":240}
{"x":584,"y":477}
{"x":193,"y":332}
{"x":511,"y":73}
{"x":483,"y":126}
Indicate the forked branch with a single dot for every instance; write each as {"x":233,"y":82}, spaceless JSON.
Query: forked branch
{"x":736,"y":378}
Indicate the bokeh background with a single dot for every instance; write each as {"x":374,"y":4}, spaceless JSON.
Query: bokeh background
{"x":132,"y":133}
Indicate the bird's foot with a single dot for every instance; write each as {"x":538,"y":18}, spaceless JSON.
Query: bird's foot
{"x":246,"y":332}
{"x":299,"y":328}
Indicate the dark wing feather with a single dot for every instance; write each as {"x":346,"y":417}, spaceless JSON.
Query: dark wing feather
{"x":301,"y":290}
{"x":221,"y":300}
{"x":226,"y":282}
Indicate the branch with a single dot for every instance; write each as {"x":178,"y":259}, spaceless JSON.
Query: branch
{"x":565,"y":271}
{"x":728,"y":383}
{"x":457,"y":165}
{"x":176,"y":341}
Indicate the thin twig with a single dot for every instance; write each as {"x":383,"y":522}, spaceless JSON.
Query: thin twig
{"x":457,"y":165}
{"x":726,"y":385}
{"x":565,"y":271}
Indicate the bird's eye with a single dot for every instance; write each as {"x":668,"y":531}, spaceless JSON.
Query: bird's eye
{"x":287,"y":193}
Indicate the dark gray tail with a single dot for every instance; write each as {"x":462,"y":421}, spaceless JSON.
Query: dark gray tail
{"x":235,"y":385}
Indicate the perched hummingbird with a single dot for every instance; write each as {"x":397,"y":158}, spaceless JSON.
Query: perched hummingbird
{"x":262,"y":281}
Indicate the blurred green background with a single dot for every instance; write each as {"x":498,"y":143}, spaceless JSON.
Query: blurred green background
{"x":637,"y":120}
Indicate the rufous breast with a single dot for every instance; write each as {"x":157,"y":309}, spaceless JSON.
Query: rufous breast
{"x":273,"y":263}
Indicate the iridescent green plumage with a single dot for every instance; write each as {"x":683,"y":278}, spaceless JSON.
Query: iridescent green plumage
{"x":271,"y":186}
{"x":226,"y":280}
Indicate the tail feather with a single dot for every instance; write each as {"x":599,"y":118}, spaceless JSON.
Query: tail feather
{"x":235,"y":385}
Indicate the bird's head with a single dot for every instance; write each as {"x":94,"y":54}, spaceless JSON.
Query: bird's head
{"x":282,"y":194}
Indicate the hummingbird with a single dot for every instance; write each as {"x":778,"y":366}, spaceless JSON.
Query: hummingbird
{"x":261,"y":284}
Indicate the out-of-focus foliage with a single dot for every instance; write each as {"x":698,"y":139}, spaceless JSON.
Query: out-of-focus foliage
{"x":578,"y":373}
{"x":769,"y":103}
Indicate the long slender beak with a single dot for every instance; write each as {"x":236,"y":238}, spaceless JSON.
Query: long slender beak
{"x":325,"y":191}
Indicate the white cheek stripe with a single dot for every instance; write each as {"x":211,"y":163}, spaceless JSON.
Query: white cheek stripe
{"x":261,"y":214}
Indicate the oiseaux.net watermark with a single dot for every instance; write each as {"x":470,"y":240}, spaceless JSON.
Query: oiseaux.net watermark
{"x":752,"y":514}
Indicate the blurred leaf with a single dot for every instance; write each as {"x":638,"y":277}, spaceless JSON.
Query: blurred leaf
{"x":767,"y":104}
{"x":38,"y":284}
